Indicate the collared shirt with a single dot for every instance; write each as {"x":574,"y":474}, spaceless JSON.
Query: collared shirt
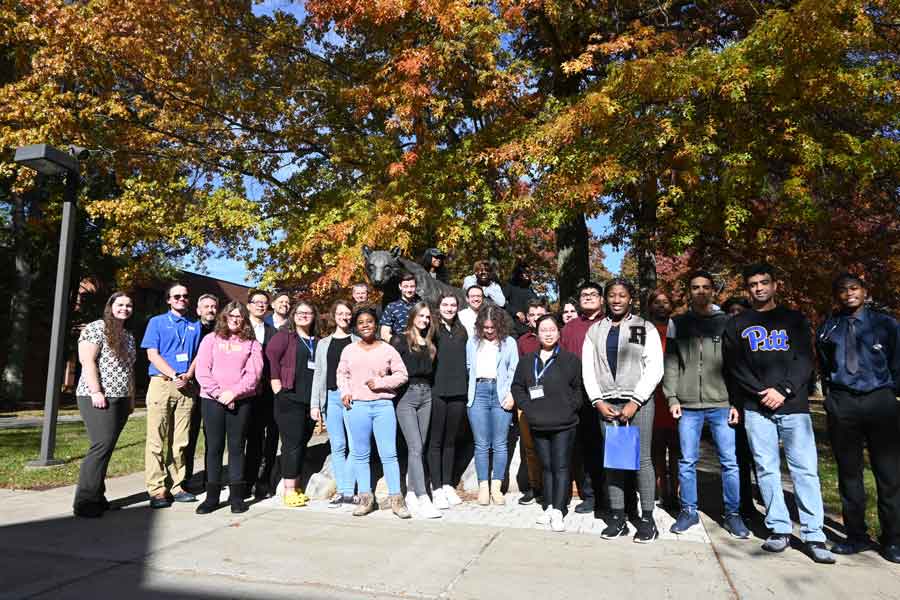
{"x":876,"y":347}
{"x":259,"y":330}
{"x":396,"y":314}
{"x":174,"y":337}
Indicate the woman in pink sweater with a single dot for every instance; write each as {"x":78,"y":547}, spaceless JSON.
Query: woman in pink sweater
{"x":368,"y":375}
{"x":229,"y":366}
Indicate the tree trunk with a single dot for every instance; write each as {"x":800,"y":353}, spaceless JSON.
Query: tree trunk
{"x":19,"y":311}
{"x":572,"y":265}
{"x":645,"y":242}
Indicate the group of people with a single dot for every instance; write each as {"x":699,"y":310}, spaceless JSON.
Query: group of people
{"x":569,"y":381}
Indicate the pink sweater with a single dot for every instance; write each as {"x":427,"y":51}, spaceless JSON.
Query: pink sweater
{"x":233,"y":364}
{"x":382,"y":364}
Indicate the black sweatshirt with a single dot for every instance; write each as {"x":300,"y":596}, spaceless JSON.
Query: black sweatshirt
{"x":766,"y":349}
{"x":419,"y":364}
{"x":558,"y":409}
{"x":450,"y":372}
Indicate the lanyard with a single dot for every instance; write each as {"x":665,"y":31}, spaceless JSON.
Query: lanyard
{"x":310,"y":345}
{"x":181,"y":338}
{"x":539,"y":376}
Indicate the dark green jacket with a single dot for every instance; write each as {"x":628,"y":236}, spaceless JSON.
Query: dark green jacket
{"x":694,"y":365}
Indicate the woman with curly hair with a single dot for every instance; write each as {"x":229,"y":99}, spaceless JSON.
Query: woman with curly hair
{"x":491,"y":358}
{"x":105,"y":395}
{"x":229,"y":367}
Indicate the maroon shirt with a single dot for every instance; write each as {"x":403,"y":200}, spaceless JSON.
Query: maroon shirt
{"x":528,"y":342}
{"x":573,"y":334}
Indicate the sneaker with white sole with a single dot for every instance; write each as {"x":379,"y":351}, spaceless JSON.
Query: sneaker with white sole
{"x":556,"y":520}
{"x":544,"y":517}
{"x":439,"y":499}
{"x":412,"y":503}
{"x":426,"y":509}
{"x":452,"y":497}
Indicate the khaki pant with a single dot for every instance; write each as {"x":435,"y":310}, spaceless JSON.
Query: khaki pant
{"x":168,"y":430}
{"x":532,"y":462}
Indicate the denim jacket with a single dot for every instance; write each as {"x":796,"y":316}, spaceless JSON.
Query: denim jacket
{"x":507,"y":361}
{"x":320,"y":375}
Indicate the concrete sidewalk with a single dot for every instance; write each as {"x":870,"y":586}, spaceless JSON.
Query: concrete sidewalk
{"x":320,"y":553}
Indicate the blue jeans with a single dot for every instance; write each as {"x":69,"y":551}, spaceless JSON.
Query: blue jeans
{"x":335,"y":421}
{"x":364,"y":418}
{"x":490,"y":428}
{"x":796,"y":434}
{"x":690,"y":426}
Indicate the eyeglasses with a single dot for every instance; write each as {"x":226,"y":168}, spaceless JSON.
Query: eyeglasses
{"x":590,"y":295}
{"x":179,"y":296}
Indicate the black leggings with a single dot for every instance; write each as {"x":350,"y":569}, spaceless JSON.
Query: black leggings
{"x":218,"y":422}
{"x":554,"y":448}
{"x":447,"y":413}
{"x":293,"y":421}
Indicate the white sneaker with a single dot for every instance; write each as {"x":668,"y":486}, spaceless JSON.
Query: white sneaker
{"x":439,"y":499}
{"x":544,"y":517}
{"x":556,"y":520}
{"x":452,"y":498}
{"x":427,"y":509}
{"x":411,"y":502}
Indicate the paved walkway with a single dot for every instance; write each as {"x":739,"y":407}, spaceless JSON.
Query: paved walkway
{"x":321,"y":553}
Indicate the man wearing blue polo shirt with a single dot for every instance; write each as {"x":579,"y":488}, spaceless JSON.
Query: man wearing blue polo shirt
{"x":171,"y":341}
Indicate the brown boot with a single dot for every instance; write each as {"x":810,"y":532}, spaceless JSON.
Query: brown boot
{"x":497,"y":496}
{"x":398,"y":506}
{"x":366,"y":505}
{"x":484,"y":493}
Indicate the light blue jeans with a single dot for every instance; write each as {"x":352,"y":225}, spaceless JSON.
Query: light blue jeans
{"x":690,"y":426}
{"x":490,"y":428}
{"x":336,"y":422}
{"x":366,"y":417}
{"x":796,"y":434}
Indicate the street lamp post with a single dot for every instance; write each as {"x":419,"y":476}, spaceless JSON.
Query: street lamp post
{"x":47,"y":160}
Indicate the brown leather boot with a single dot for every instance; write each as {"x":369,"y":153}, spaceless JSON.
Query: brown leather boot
{"x":398,"y":506}
{"x":484,"y":493}
{"x":497,"y":496}
{"x":366,"y":505}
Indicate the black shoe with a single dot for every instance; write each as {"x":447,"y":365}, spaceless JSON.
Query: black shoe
{"x":853,"y":546}
{"x":160,"y":502}
{"x":193,"y":487}
{"x":236,"y":498}
{"x":527,"y":498}
{"x":891,"y":552}
{"x":261,"y":491}
{"x":104,"y":503}
{"x":211,"y":502}
{"x":88,"y":510}
{"x":616,"y":526}
{"x":586,"y":506}
{"x":646,"y":531}
{"x":184,"y":496}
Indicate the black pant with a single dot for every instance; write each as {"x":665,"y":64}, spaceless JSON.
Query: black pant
{"x":193,"y":438}
{"x":219,"y":423}
{"x":103,"y":428}
{"x":869,"y":419}
{"x":294,"y":425}
{"x":745,"y":465}
{"x":447,"y":413}
{"x":588,"y":458}
{"x":554,"y":448}
{"x":262,"y":444}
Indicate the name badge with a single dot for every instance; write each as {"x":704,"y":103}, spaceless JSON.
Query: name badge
{"x":311,"y":365}
{"x":182,"y":358}
{"x":536,"y":392}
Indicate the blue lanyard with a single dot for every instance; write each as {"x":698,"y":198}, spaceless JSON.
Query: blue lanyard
{"x":538,"y":376}
{"x":311,"y":346}
{"x":181,"y":338}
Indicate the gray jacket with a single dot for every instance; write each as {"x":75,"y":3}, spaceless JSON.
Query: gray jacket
{"x":319,"y":396}
{"x":694,"y":365}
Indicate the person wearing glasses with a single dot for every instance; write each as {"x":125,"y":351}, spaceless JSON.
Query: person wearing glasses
{"x":229,"y":365}
{"x":171,"y":341}
{"x":262,"y":432}
{"x":292,"y":356}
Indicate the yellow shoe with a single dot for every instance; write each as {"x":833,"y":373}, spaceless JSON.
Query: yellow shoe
{"x":295,"y":499}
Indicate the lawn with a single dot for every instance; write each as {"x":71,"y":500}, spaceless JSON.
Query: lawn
{"x":22,"y":445}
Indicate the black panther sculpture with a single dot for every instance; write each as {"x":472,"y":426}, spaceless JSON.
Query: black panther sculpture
{"x":385,"y":267}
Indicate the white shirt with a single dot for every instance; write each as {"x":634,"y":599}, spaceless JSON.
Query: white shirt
{"x":467,"y":319}
{"x":259,"y":330}
{"x":492,"y":291}
{"x":486,"y":360}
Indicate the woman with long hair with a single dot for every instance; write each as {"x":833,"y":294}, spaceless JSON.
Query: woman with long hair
{"x":416,"y":348}
{"x":292,"y":354}
{"x":229,"y":367}
{"x":547,"y":387}
{"x":326,"y":399}
{"x":368,"y":375}
{"x":622,"y":363}
{"x":448,"y":401}
{"x":491,"y":358}
{"x":105,"y":395}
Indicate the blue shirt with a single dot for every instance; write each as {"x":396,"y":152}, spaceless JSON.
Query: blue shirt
{"x":396,"y":314}
{"x":876,"y":347}
{"x":174,"y":337}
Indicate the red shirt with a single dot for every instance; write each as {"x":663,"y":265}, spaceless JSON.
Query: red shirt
{"x":573,"y":334}
{"x":528,"y":342}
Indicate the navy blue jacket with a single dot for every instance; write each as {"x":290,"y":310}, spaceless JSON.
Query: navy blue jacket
{"x":877,"y":346}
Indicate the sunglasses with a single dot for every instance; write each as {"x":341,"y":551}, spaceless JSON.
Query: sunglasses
{"x":179,"y":296}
